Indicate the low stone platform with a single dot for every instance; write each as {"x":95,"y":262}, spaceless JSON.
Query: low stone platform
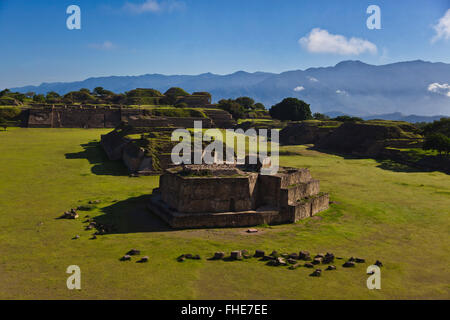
{"x":212,"y":199}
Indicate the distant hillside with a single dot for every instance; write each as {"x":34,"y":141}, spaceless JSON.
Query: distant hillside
{"x":353,"y":87}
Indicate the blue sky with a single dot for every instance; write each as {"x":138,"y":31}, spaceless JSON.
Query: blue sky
{"x":132,"y":37}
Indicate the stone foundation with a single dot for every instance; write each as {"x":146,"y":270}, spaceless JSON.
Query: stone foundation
{"x":245,"y":199}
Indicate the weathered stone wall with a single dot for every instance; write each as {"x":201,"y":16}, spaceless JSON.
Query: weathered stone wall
{"x":197,"y":195}
{"x":320,"y":203}
{"x":291,"y":194}
{"x":104,"y":117}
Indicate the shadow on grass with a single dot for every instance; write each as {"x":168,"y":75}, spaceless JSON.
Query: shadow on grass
{"x":130,"y":216}
{"x":391,"y":165}
{"x":94,"y":153}
{"x":385,"y":164}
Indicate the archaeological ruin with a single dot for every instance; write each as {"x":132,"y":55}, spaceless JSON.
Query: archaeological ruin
{"x":203,"y":196}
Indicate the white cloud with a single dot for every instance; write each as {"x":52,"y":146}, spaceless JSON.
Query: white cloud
{"x":105,"y":45}
{"x":299,"y":88}
{"x":442,"y":28}
{"x":438,"y":88}
{"x":153,"y":6}
{"x":343,"y":92}
{"x":312,"y":79}
{"x":321,"y":41}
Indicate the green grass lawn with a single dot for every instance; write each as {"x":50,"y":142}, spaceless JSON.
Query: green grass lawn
{"x":400,"y":218}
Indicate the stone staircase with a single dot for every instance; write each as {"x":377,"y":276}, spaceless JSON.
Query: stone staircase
{"x":221,"y":118}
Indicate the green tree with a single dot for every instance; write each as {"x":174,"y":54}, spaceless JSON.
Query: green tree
{"x":438,"y":142}
{"x":236,"y":110}
{"x":246,"y":102}
{"x":439,"y":126}
{"x":291,"y":109}
{"x":39,"y":98}
{"x":259,"y":106}
{"x":52,"y":97}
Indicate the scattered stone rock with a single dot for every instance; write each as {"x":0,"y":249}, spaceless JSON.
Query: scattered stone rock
{"x":125,"y":258}
{"x":72,"y":214}
{"x":329,"y":268}
{"x":309,"y":265}
{"x":291,"y":261}
{"x":352,"y":259}
{"x":196,"y":257}
{"x":349,"y":264}
{"x":378,"y":263}
{"x":304,"y":255}
{"x":320,"y":255}
{"x":316,"y":273}
{"x":293,"y":256}
{"x":359,"y":260}
{"x":181,"y":258}
{"x":277,"y":262}
{"x":252,"y":230}
{"x":134,"y":252}
{"x":268,"y":258}
{"x":295,"y":266}
{"x":143,"y":260}
{"x":259,"y":254}
{"x":275,"y":254}
{"x":329,"y":258}
{"x":236,"y":255}
{"x":188,"y":256}
{"x":317,"y":261}
{"x":218,"y":256}
{"x":94,"y":237}
{"x":76,"y":237}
